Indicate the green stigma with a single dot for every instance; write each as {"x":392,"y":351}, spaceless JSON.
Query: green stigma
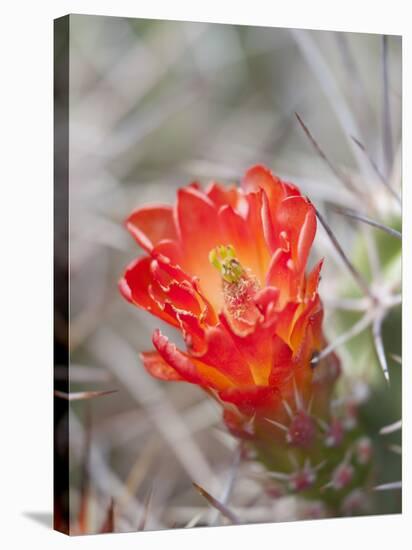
{"x":223,"y":258}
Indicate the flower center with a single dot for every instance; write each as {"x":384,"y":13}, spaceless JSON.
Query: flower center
{"x":223,"y":258}
{"x":239,"y":285}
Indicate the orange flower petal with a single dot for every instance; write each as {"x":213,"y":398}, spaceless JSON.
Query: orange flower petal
{"x":251,"y":398}
{"x":262,"y":349}
{"x":259,"y":177}
{"x":151,"y":224}
{"x":198,"y":230}
{"x":136,"y":284}
{"x":191,"y":369}
{"x":222,"y":352}
{"x":283,"y":276}
{"x":312,"y":282}
{"x":309,"y":317}
{"x":157,"y":366}
{"x":296,"y":216}
{"x":222,"y":195}
{"x":255,"y":222}
{"x":176,"y":359}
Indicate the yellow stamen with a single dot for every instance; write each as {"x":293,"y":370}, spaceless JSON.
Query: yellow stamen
{"x":223,"y":258}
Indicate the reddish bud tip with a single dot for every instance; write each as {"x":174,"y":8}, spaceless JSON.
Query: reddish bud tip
{"x":335,"y":433}
{"x":342,"y":476}
{"x":302,"y":431}
{"x":363,"y":449}
{"x":302,"y":480}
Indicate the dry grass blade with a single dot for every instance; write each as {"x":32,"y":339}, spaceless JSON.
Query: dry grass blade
{"x":345,"y":180}
{"x":354,"y":79}
{"x":101,"y":475}
{"x":194,"y":521}
{"x":230,"y":482}
{"x":391,"y":428}
{"x":83,"y":517}
{"x":330,"y":86}
{"x":376,"y":170}
{"x":394,"y":485}
{"x":139,"y":471}
{"x":224,"y":510}
{"x":108,"y":523}
{"x":369,"y":221}
{"x":380,"y":350}
{"x":386,"y":110}
{"x":145,"y":512}
{"x":79,"y":396}
{"x":120,"y":358}
{"x":355,"y":273}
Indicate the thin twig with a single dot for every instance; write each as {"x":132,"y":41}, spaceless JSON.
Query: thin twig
{"x":340,"y":176}
{"x":145,"y":512}
{"x":377,"y":171}
{"x":362,"y":218}
{"x":354,"y":78}
{"x":108,"y":523}
{"x":119,"y":357}
{"x":355,"y":273}
{"x":230,"y":482}
{"x":386,"y":110}
{"x":216,"y":504}
{"x":330,"y":86}
{"x":78,"y":396}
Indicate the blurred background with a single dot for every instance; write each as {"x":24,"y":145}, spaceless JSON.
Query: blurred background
{"x":153,"y":106}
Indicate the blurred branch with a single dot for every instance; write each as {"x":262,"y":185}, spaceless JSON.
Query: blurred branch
{"x":386,"y":110}
{"x":377,"y":171}
{"x":340,"y":176}
{"x":363,"y":285}
{"x":365,"y":219}
{"x":77,"y":396}
{"x":224,"y":510}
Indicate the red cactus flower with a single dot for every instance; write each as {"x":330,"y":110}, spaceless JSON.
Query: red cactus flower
{"x":226,"y":267}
